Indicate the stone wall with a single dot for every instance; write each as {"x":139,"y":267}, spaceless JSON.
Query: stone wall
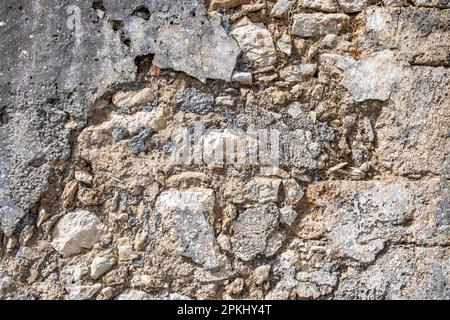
{"x":97,"y":96}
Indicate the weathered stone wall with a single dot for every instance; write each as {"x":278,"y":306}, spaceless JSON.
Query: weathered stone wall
{"x":93,"y":205}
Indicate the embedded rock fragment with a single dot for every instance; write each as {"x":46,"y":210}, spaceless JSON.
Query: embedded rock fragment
{"x":420,"y":35}
{"x":196,"y":44}
{"x":197,"y":102}
{"x":262,"y":190}
{"x":257,"y":190}
{"x":395,"y":3}
{"x":351,"y":6}
{"x":83,"y":176}
{"x":195,"y":199}
{"x":284,"y":44}
{"x":314,"y":284}
{"x":235,"y":142}
{"x":132,"y":98}
{"x":101,"y":265}
{"x":76,"y":231}
{"x":125,"y":250}
{"x":186,"y":213}
{"x":196,"y":238}
{"x":432,"y":3}
{"x":293,"y":193}
{"x":299,"y":147}
{"x":83,"y":292}
{"x":261,"y":274}
{"x":274,"y":243}
{"x":137,"y":143}
{"x":296,"y":73}
{"x":120,"y":134}
{"x":288,"y":215}
{"x":134,"y":295}
{"x":252,"y":230}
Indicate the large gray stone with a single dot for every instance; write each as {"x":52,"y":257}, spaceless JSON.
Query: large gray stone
{"x":419,"y":35}
{"x":401,"y":273}
{"x":76,"y":231}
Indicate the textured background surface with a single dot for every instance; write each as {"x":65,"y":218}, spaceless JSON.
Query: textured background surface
{"x":93,"y":207}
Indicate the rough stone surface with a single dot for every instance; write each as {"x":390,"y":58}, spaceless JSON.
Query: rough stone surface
{"x":256,"y":41}
{"x":351,"y":6}
{"x":10,"y":216}
{"x":390,"y":213}
{"x":226,"y":149}
{"x":227,"y":3}
{"x":196,"y":238}
{"x":317,"y":24}
{"x":321,"y":5}
{"x":132,"y":98}
{"x":243,"y":78}
{"x":252,"y":231}
{"x":296,"y":72}
{"x":373,"y":77}
{"x":419,"y":34}
{"x":100,"y":266}
{"x":432,"y":3}
{"x":197,"y":102}
{"x":83,"y":292}
{"x":168,"y":37}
